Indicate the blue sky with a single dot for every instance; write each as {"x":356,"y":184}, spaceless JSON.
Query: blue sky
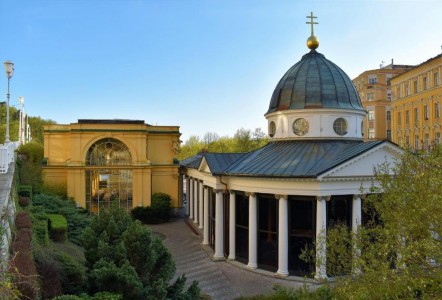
{"x":201,"y":65}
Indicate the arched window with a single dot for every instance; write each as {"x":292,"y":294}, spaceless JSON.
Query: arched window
{"x":109,"y":177}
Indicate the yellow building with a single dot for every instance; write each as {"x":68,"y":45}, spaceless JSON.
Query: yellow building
{"x":416,"y":106}
{"x":102,"y":161}
{"x":374,"y":90}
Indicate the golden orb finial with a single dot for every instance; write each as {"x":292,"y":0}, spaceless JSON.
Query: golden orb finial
{"x":312,"y":41}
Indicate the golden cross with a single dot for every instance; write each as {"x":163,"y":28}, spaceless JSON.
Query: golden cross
{"x":311,"y":21}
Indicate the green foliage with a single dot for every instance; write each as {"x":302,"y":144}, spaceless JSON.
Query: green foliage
{"x":29,"y":165}
{"x":37,"y":124}
{"x":13,"y":123}
{"x":303,"y":293}
{"x":244,"y":140}
{"x":78,"y":218}
{"x":58,"y":226}
{"x":97,"y":296}
{"x":123,"y":258}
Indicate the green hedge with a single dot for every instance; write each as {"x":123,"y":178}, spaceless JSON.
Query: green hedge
{"x":158,"y":212}
{"x":58,"y":227}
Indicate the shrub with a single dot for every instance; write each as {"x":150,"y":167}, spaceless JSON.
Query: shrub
{"x":24,"y":201}
{"x":158,"y":212}
{"x":57,"y":227}
{"x":49,"y":272}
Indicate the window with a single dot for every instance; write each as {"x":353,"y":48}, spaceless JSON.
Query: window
{"x":388,"y":77}
{"x":372,"y":79}
{"x":437,"y":138}
{"x":340,"y":126}
{"x":416,"y":142}
{"x":415,"y":86}
{"x":371,"y":115}
{"x":272,"y":129}
{"x":426,"y":112}
{"x":399,"y":118}
{"x":437,"y":110}
{"x":389,"y":134}
{"x":425,"y":83}
{"x":388,"y":95}
{"x":370,"y":96}
{"x":388,"y":115}
{"x":371,"y":134}
{"x":427,"y":141}
{"x":407,"y":90}
{"x":436,"y":79}
{"x":398,"y":92}
{"x":416,"y":115}
{"x":407,"y":141}
{"x":407,"y":117}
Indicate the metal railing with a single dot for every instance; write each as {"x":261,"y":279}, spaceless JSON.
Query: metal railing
{"x":7,"y":155}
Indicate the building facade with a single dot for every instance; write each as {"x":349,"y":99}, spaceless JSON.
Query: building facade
{"x":99,"y":162}
{"x":374,"y":88}
{"x":416,"y":106}
{"x":264,"y":207}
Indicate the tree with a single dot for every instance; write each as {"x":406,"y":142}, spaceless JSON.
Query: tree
{"x":398,"y":251}
{"x":29,"y":163}
{"x":210,"y":137}
{"x":37,"y":124}
{"x":123,"y":258}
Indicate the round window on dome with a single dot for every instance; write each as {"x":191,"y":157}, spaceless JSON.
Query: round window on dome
{"x":272,"y":128}
{"x":300,"y":126}
{"x":340,"y":126}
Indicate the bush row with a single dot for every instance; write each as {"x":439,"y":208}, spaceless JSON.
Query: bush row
{"x":158,"y":212}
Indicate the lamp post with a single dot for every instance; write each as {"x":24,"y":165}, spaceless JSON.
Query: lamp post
{"x":9,"y":69}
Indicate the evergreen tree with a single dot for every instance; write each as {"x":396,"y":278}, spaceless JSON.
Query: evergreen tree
{"x":123,"y":258}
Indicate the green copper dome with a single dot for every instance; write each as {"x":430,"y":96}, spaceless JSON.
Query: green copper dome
{"x":315,"y":82}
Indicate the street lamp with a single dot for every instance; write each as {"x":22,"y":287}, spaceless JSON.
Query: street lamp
{"x":9,"y":69}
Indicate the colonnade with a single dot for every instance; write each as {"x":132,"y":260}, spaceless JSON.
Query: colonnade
{"x":198,"y":210}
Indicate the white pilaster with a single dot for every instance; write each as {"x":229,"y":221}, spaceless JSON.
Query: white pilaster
{"x":206,"y":216}
{"x":232,"y":225}
{"x":195,"y":201}
{"x":219,"y":226}
{"x":253,"y":232}
{"x":283,"y":237}
{"x":200,"y":206}
{"x":321,"y":227}
{"x":190,"y":200}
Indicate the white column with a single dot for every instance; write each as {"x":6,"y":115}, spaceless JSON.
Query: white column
{"x":206,"y":216}
{"x":187,"y":195}
{"x":321,"y":227}
{"x":356,"y":212}
{"x":253,"y":232}
{"x":232,"y":225}
{"x":190,"y":200}
{"x":356,"y":222}
{"x":200,"y":205}
{"x":283,"y":237}
{"x":219,"y":226}
{"x":195,"y":201}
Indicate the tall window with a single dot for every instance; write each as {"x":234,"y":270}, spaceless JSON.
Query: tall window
{"x":388,"y":115}
{"x":371,"y":115}
{"x":389,"y":95}
{"x":415,"y":86}
{"x":437,"y":110}
{"x":399,"y":118}
{"x":370,"y":96}
{"x":389,"y":134}
{"x":416,"y":142}
{"x":416,"y":115}
{"x":407,"y":90}
{"x":371,"y":134}
{"x":407,"y":117}
{"x":436,"y":79}
{"x":109,"y":176}
{"x":437,"y":138}
{"x":425,"y":83}
{"x":426,"y":112}
{"x":426,"y":141}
